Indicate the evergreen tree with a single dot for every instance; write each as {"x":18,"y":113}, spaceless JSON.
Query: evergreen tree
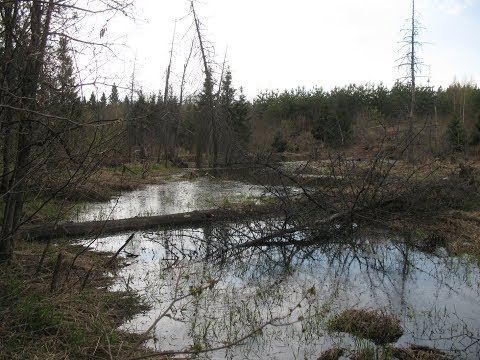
{"x":233,"y":113}
{"x":456,"y":134}
{"x":324,"y":123}
{"x":114,"y":95}
{"x":227,"y":95}
{"x":65,"y":99}
{"x":203,"y":116}
{"x":279,"y":143}
{"x":103,"y":100}
{"x":475,"y":137}
{"x":186,"y":131}
{"x":241,"y":125}
{"x":65,"y":76}
{"x":93,"y":100}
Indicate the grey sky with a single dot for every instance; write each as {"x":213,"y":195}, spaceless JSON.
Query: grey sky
{"x":282,"y":44}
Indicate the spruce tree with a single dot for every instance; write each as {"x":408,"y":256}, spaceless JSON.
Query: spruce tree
{"x":103,"y":100}
{"x":93,"y":100}
{"x":241,"y":125}
{"x":113,"y":98}
{"x":65,"y":98}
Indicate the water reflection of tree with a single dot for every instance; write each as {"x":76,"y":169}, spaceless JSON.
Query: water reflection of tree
{"x":386,"y":268}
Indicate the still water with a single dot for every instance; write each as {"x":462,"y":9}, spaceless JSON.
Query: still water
{"x":206,"y":291}
{"x":170,"y":198}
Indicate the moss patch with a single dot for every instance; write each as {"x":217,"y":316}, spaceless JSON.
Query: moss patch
{"x":374,"y":325}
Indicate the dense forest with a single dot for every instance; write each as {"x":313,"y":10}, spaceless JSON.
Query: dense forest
{"x":296,"y":121}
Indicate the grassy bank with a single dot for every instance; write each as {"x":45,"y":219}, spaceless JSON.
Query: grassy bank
{"x":55,"y":202}
{"x":55,"y":301}
{"x":60,"y":307}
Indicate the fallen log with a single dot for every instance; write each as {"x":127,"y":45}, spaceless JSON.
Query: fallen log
{"x":169,"y":221}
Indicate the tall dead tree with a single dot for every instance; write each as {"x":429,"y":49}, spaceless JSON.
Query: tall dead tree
{"x":167,"y":77}
{"x":413,"y":34}
{"x":130,"y":125}
{"x":185,"y":66}
{"x":209,"y":120}
{"x":170,"y":117}
{"x":412,"y":63}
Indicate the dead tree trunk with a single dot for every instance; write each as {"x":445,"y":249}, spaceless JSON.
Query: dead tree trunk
{"x":182,"y":84}
{"x":130,"y":127}
{"x":170,"y":122}
{"x":410,"y":136}
{"x":210,"y":116}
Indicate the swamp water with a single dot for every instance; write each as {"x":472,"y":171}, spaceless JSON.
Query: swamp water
{"x":207,"y":292}
{"x":171,"y":198}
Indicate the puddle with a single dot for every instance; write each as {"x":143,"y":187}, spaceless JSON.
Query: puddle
{"x":212,"y":293}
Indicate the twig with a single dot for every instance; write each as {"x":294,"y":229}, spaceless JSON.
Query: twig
{"x":119,"y":250}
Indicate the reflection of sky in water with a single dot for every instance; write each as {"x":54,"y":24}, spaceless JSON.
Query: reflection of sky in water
{"x":436,"y":297}
{"x":171,"y":198}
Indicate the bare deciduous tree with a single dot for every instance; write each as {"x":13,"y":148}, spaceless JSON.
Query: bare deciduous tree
{"x":32,"y":133}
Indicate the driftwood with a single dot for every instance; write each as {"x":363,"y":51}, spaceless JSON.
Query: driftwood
{"x":89,"y":228}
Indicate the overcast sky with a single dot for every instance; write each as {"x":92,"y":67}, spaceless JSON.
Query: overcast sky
{"x":283,"y":44}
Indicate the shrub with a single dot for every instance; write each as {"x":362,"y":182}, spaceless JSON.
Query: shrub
{"x":279,"y":143}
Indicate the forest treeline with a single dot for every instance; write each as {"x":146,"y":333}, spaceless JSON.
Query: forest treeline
{"x":450,"y":118}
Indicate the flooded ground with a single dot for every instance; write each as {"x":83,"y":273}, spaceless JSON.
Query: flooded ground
{"x":206,"y":291}
{"x":170,"y":198}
